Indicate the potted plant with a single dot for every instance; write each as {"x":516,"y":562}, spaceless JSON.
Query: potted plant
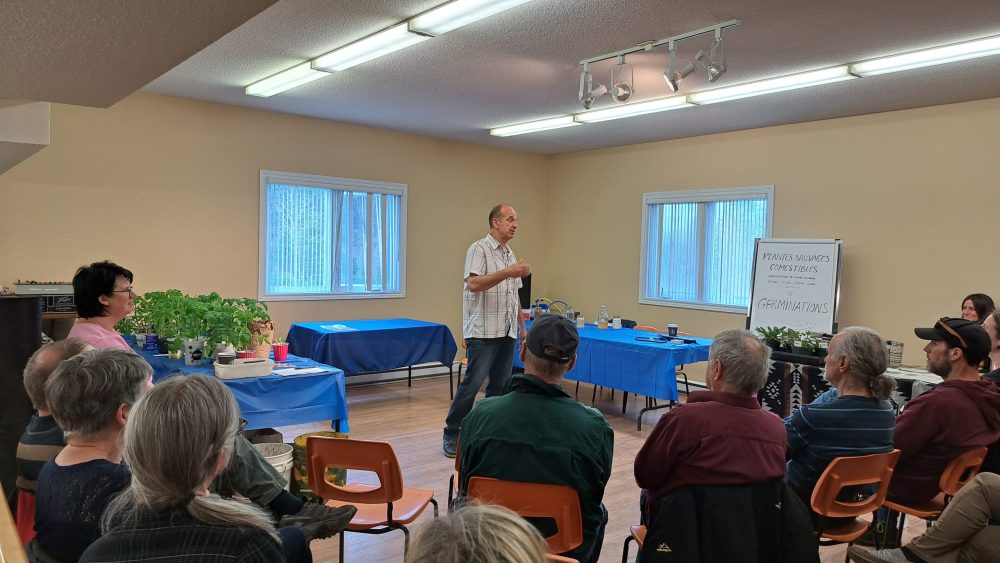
{"x":261,"y":326}
{"x":162,"y":309}
{"x":280,"y":348}
{"x":788,"y":337}
{"x":804,"y":344}
{"x":225,"y":323}
{"x":771,"y":335}
{"x":191,"y":328}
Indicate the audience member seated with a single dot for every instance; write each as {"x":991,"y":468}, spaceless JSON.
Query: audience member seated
{"x":179,"y":436}
{"x":538,"y":433}
{"x":478,"y":533}
{"x":968,"y":531}
{"x":104,"y":296}
{"x":960,"y":413}
{"x":992,"y":327}
{"x":90,"y":396}
{"x":721,"y":436}
{"x":975,"y":307}
{"x":858,"y":421}
{"x":42,"y":440}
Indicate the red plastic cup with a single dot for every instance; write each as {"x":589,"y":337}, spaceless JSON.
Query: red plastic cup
{"x":280,"y":351}
{"x":246,"y":354}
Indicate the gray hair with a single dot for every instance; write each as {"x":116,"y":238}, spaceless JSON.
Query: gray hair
{"x":43,"y":362}
{"x":745,"y":358}
{"x":867,"y":358}
{"x":478,"y":533}
{"x":85,"y":391}
{"x":544,"y":367}
{"x":174,"y":439}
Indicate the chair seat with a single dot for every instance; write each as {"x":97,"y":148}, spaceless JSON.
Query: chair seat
{"x":927,"y":509}
{"x":404,"y":510}
{"x":847,"y":532}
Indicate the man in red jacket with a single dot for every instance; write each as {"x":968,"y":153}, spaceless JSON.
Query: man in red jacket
{"x":718,"y":437}
{"x":961,"y":413}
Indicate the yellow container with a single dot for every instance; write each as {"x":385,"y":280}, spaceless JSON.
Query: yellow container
{"x":301,"y":465}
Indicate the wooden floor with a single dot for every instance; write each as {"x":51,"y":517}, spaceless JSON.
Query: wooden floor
{"x":411,"y":419}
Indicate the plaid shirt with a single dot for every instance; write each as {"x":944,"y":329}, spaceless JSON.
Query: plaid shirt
{"x":491,"y":313}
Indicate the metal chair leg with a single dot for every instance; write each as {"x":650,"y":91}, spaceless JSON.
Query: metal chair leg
{"x":625,"y":549}
{"x":624,"y":401}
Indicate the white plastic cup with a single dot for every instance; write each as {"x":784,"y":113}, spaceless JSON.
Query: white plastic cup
{"x":616,"y":322}
{"x":579,"y":321}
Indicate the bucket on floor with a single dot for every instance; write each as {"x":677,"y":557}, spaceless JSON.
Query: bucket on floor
{"x":334,"y":475}
{"x":280,"y":458}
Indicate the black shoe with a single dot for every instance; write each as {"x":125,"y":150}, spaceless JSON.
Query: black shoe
{"x":319,"y":521}
{"x":450,"y":447}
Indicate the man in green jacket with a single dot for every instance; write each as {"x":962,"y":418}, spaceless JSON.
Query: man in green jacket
{"x":538,"y":433}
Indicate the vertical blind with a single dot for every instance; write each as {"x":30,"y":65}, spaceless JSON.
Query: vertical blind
{"x":324,"y":240}
{"x":702,"y":251}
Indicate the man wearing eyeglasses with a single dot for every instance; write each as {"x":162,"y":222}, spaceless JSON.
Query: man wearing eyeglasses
{"x":961,"y":413}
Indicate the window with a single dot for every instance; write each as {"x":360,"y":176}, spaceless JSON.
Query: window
{"x":331,"y":238}
{"x":698,"y":245}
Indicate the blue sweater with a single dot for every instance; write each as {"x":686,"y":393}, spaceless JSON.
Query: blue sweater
{"x":842,"y":426}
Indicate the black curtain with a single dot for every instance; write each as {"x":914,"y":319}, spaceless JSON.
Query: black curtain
{"x":20,"y":336}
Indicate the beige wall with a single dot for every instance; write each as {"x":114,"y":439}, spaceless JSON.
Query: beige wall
{"x":170,"y":189}
{"x":914,"y":194}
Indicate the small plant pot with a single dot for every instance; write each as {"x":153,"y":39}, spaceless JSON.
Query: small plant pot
{"x":820,"y":352}
{"x":773,"y":344}
{"x":280,"y":351}
{"x":246,"y":354}
{"x":801,"y":351}
{"x":194,"y":351}
{"x":225,"y":358}
{"x":162,"y":346}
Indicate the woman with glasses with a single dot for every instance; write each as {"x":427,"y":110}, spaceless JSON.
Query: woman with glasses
{"x":104,"y":296}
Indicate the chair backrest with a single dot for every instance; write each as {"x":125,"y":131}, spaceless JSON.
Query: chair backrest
{"x":363,"y":455}
{"x":961,"y":470}
{"x":875,"y":469}
{"x":536,"y":500}
{"x":648,"y":328}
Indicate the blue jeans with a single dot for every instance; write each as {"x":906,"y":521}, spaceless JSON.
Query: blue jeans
{"x":294,"y":545}
{"x":493,"y":357}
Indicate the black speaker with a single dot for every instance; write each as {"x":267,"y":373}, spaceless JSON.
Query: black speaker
{"x":524,"y":294}
{"x":21,"y":335}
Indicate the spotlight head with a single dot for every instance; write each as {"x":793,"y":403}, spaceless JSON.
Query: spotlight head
{"x":588,"y":98}
{"x":717,"y":64}
{"x":715,"y":71}
{"x":673,"y":78}
{"x":621,"y":92}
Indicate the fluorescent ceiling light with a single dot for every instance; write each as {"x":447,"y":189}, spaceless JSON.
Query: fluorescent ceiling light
{"x":455,"y":14}
{"x":532,"y":126}
{"x":382,"y":43}
{"x":780,"y":84}
{"x":296,"y":76}
{"x":639,"y":108}
{"x":927,"y":57}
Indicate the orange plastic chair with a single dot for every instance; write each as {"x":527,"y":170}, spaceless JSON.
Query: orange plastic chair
{"x":11,"y":548}
{"x":536,"y":500}
{"x":637,"y":533}
{"x":26,"y":516}
{"x":850,"y":472}
{"x":959,"y":471}
{"x":381,"y":508}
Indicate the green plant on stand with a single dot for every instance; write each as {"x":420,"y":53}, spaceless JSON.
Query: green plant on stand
{"x":771,"y":335}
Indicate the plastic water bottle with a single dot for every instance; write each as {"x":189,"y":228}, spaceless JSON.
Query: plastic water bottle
{"x":602,"y":318}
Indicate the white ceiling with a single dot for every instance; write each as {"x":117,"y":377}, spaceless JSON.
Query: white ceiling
{"x":522,"y":64}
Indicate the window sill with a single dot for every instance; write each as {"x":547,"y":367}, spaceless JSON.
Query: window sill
{"x":695,"y":306}
{"x":331,"y":296}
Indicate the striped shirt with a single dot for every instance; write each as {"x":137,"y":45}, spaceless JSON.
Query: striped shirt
{"x":844,"y":426}
{"x":491,"y":313}
{"x":41,"y":442}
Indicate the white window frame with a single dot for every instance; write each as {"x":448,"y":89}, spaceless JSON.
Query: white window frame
{"x":328,"y":182}
{"x":697,"y":196}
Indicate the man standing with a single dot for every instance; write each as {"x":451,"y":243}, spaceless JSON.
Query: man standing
{"x":537,"y":433}
{"x":721,"y":436}
{"x":491,"y":317}
{"x":960,"y":413}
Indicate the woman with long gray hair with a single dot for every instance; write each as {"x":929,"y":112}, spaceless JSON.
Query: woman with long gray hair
{"x":179,"y":436}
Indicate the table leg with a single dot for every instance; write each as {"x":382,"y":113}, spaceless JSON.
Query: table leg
{"x":650,"y":407}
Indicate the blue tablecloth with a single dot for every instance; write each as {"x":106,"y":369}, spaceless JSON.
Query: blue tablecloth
{"x":275,"y":400}
{"x":375,"y":345}
{"x":615,"y":359}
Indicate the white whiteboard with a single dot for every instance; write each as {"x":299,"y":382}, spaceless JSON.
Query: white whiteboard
{"x":796,"y":284}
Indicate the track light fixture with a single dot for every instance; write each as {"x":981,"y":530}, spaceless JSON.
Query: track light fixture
{"x":588,"y":94}
{"x":622,"y":89}
{"x":672,"y":76}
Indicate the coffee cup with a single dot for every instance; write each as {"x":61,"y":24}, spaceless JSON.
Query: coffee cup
{"x":672,"y":330}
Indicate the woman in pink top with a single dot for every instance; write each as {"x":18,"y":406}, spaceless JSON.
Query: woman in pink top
{"x":104,"y":296}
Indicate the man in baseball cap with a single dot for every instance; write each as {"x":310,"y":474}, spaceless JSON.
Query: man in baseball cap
{"x":537,"y":433}
{"x":960,"y":413}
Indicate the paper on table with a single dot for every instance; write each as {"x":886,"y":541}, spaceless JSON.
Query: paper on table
{"x":299,"y":371}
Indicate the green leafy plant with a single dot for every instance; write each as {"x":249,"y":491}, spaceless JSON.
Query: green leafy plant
{"x":788,"y":336}
{"x":771,"y":335}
